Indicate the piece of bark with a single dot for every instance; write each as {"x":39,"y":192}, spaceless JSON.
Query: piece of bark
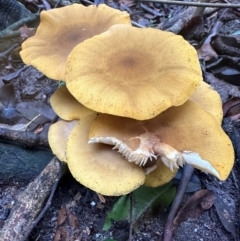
{"x":25,"y":138}
{"x":29,"y":203}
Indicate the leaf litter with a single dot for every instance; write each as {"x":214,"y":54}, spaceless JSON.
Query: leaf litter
{"x":168,"y":17}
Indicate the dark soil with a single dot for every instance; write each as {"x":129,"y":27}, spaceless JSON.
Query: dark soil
{"x":85,"y":212}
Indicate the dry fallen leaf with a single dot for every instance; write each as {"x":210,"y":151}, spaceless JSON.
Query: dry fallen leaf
{"x":224,"y":89}
{"x":195,"y":206}
{"x":231,"y":107}
{"x":128,"y":3}
{"x":26,"y":32}
{"x":67,"y":225}
{"x":62,"y":215}
{"x":206,"y":52}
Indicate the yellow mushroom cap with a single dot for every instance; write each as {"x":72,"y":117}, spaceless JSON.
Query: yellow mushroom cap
{"x":57,"y":137}
{"x":98,"y":167}
{"x":66,"y":106}
{"x":209,"y":100}
{"x":132,"y":72}
{"x":61,"y":29}
{"x":186,"y":128}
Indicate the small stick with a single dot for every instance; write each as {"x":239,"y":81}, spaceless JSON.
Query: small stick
{"x":130,"y":217}
{"x":28,"y":205}
{"x":48,"y":203}
{"x":150,"y":10}
{"x":196,"y":4}
{"x":186,"y":176}
{"x":199,"y":10}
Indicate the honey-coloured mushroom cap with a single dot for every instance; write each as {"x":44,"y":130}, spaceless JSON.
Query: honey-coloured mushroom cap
{"x":66,"y":106}
{"x":61,"y":29}
{"x":209,"y":100}
{"x":139,"y":72}
{"x":186,"y":128}
{"x":57,"y":137}
{"x":98,"y":167}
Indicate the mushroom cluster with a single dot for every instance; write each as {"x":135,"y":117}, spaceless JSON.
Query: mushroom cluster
{"x":134,"y":108}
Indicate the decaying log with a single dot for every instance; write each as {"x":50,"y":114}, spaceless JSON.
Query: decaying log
{"x":29,"y":203}
{"x":22,"y":165}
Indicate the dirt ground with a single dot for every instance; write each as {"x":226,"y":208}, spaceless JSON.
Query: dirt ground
{"x":85,"y":212}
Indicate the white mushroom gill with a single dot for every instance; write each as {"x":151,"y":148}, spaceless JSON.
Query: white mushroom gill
{"x":152,"y":147}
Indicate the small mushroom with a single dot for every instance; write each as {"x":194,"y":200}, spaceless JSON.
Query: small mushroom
{"x":209,"y":99}
{"x":57,"y":137}
{"x":66,"y":106}
{"x":98,"y":167}
{"x":140,"y":72}
{"x":180,"y":134}
{"x":61,"y":29}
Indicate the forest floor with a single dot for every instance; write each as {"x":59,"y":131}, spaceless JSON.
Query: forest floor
{"x":25,"y":92}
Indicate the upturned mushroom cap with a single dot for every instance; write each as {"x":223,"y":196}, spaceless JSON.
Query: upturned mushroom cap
{"x":61,"y":29}
{"x":98,"y":167}
{"x":57,"y":137}
{"x":209,"y":100}
{"x":66,"y":106}
{"x":186,"y":128}
{"x":139,"y":73}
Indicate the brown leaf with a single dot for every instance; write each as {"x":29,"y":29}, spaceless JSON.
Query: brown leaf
{"x":206,"y":52}
{"x":26,"y":32}
{"x":195,"y":206}
{"x":61,"y":234}
{"x":231,"y":107}
{"x":128,"y":3}
{"x":62,"y":215}
{"x":38,"y":129}
{"x":72,"y":219}
{"x":224,"y":89}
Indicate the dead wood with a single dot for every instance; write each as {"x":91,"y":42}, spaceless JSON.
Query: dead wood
{"x":169,"y":228}
{"x":29,"y":203}
{"x":25,"y":138}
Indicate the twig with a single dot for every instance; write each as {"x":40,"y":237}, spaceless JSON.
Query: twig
{"x":199,"y":10}
{"x":137,"y":24}
{"x":29,"y":203}
{"x":196,"y":4}
{"x":150,"y":10}
{"x":5,"y":53}
{"x":215,"y":29}
{"x":13,"y":75}
{"x":25,"y":138}
{"x":29,"y":123}
{"x":133,"y":23}
{"x":49,"y":201}
{"x":186,"y":176}
{"x":46,"y":5}
{"x":130,"y":217}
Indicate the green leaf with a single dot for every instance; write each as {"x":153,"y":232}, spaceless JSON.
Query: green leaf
{"x":110,"y":239}
{"x":143,"y":198}
{"x":119,"y":211}
{"x":166,"y":198}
